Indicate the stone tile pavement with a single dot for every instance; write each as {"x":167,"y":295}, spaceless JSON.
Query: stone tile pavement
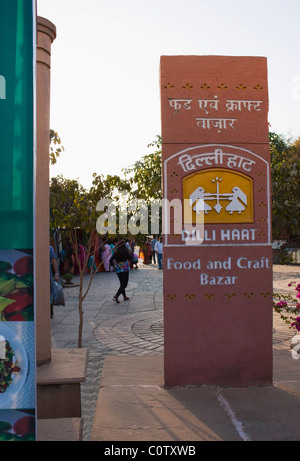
{"x":134,"y":327}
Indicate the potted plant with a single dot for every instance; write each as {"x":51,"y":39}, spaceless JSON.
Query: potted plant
{"x":68,"y":278}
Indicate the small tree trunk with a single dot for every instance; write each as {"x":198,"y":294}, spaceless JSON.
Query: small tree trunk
{"x":80,"y":310}
{"x":82,"y":295}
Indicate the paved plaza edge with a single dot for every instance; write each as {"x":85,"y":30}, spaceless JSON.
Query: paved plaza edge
{"x":123,"y":398}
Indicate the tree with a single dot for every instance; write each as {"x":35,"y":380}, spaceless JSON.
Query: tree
{"x":73,"y":208}
{"x":285,"y":172}
{"x":145,"y":174}
{"x":296,"y":145}
{"x":144,"y":177}
{"x":54,"y":150}
{"x":110,"y":188}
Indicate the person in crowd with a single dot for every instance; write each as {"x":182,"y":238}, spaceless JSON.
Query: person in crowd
{"x":134,"y":261}
{"x":128,"y":245}
{"x":79,"y":263}
{"x":69,"y":261}
{"x":132,"y":244}
{"x":153,"y":243}
{"x":54,"y":274}
{"x":146,"y":251}
{"x":129,"y":248}
{"x":112,"y":246}
{"x":149,"y":251}
{"x":91,"y":264}
{"x":159,"y":252}
{"x":62,"y":259}
{"x":106,"y":253}
{"x":121,"y":260}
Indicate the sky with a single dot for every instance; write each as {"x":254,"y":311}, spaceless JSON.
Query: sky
{"x":105,"y":97}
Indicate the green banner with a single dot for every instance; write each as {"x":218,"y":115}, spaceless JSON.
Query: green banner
{"x":17,"y":178}
{"x":16,"y":124}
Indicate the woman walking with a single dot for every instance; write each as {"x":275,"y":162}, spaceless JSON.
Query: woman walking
{"x":121,"y":260}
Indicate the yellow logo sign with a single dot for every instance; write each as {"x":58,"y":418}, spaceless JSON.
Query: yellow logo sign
{"x":220,"y":195}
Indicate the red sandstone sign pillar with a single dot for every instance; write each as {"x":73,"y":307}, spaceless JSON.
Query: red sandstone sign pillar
{"x":217,"y":221}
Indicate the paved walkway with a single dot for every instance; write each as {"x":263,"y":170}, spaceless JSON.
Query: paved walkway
{"x":134,"y":328}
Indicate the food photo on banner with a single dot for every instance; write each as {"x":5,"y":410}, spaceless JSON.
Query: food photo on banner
{"x":16,"y":330}
{"x":17,"y":381}
{"x":16,"y":285}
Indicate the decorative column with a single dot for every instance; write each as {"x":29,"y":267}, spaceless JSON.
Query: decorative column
{"x":60,"y":372}
{"x":46,"y":34}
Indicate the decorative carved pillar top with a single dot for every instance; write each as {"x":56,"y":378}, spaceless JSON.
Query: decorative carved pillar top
{"x":45,"y":29}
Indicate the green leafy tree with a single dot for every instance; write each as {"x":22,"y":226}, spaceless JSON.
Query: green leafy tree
{"x":285,"y":172}
{"x":113,"y":188}
{"x":73,"y":208}
{"x":144,"y":175}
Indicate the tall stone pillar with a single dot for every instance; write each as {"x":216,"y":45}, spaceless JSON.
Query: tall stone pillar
{"x":218,"y":248}
{"x":60,"y":372}
{"x":46,"y":34}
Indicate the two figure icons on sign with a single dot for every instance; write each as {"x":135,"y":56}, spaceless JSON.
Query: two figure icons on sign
{"x":237,"y":198}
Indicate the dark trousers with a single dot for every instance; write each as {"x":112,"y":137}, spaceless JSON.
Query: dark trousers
{"x":123,"y":278}
{"x":153,"y":256}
